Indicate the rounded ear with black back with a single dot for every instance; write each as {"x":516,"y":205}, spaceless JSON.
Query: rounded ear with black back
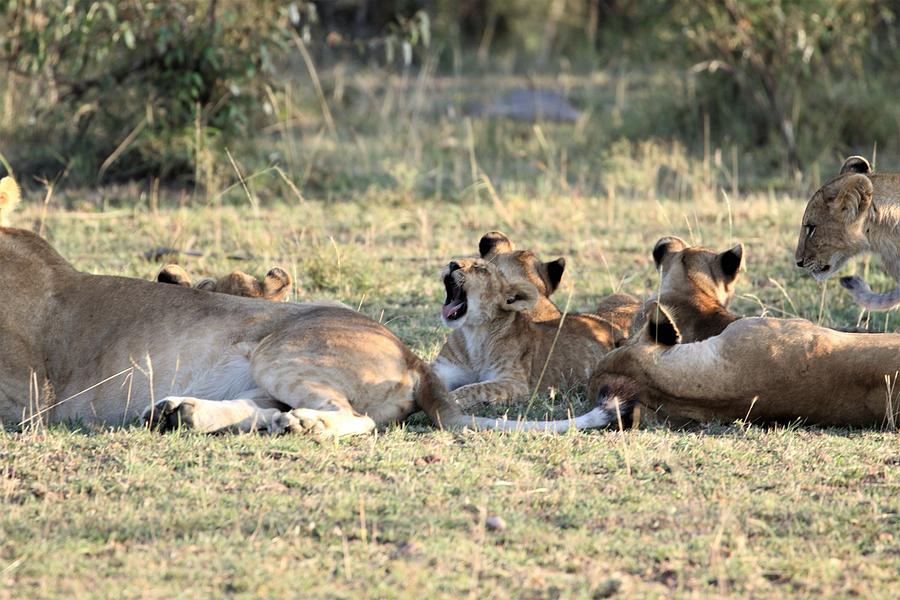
{"x":555,"y":270}
{"x":661,"y":327}
{"x":493,"y":243}
{"x":855,"y":198}
{"x":666,"y":246}
{"x":175,"y":275}
{"x":731,"y":261}
{"x":519,"y":296}
{"x":856,"y":164}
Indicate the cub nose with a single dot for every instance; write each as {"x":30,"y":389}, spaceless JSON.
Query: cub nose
{"x":453,"y":266}
{"x":800,"y":263}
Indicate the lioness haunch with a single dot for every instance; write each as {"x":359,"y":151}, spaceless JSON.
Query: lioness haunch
{"x":98,"y":348}
{"x":756,"y":368}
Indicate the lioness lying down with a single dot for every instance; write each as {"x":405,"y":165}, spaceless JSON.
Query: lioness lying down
{"x":497,"y":352}
{"x":275,"y":286}
{"x":111,"y":350}
{"x":762,"y":369}
{"x":696,"y":360}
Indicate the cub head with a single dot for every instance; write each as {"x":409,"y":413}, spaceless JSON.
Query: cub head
{"x":478,"y":293}
{"x":835,"y":220}
{"x":696,"y":273}
{"x":275,"y":286}
{"x":496,"y":247}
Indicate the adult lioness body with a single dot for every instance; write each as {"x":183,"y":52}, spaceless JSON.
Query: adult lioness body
{"x":696,"y":360}
{"x":111,"y":349}
{"x":763,"y":369}
{"x":857,"y":211}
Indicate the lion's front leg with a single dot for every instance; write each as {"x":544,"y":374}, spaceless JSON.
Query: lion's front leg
{"x":497,"y":391}
{"x":209,"y":416}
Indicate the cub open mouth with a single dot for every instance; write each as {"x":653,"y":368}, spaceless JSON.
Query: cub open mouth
{"x":455,"y":305}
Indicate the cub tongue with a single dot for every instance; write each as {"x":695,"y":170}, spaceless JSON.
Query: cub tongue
{"x":448,"y":310}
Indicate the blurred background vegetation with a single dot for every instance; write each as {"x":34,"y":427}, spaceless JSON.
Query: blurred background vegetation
{"x":349,"y":95}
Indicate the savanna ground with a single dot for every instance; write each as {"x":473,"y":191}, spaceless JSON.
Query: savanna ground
{"x":368,"y":215}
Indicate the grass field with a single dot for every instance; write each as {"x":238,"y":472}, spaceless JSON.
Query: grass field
{"x":414,"y":512}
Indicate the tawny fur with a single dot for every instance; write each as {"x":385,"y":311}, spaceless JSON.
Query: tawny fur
{"x":498,"y":353}
{"x":275,"y":286}
{"x":114,"y":350}
{"x":694,"y":360}
{"x":858,"y":211}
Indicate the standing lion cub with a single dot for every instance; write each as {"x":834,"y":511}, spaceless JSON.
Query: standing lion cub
{"x":857,"y":211}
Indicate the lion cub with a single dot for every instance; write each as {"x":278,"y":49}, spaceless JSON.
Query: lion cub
{"x":696,"y":286}
{"x":497,"y":351}
{"x":857,"y":211}
{"x":276,"y":285}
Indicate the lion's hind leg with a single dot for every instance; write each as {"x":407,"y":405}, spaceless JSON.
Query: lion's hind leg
{"x":321,"y":410}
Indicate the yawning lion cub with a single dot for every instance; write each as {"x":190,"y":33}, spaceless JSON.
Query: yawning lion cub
{"x":112,"y":350}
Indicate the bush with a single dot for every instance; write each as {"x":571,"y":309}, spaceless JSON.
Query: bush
{"x":127,"y":88}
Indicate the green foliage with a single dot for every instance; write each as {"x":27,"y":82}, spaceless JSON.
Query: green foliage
{"x":133,"y":83}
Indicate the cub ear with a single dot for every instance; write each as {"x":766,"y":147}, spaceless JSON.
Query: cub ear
{"x":175,"y":275}
{"x":856,"y":164}
{"x":661,"y":327}
{"x":555,"y":270}
{"x":493,"y":243}
{"x":855,"y":198}
{"x":666,"y":246}
{"x":731,"y":261}
{"x":519,"y":296}
{"x":277,"y":284}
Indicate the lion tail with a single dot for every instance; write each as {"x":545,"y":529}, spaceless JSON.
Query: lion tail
{"x":10,"y":195}
{"x":615,"y":407}
{"x":865,"y":297}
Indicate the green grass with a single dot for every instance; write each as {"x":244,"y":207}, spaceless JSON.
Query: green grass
{"x":775,"y":512}
{"x":404,"y":187}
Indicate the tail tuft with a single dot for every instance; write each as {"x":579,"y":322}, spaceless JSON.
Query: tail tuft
{"x":618,"y":397}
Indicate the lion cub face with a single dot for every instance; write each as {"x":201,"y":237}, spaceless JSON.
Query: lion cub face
{"x":478,"y":293}
{"x":696,"y":274}
{"x":497,"y":248}
{"x":834,"y":222}
{"x":275,"y":286}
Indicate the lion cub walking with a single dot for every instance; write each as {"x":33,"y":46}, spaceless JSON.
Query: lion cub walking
{"x":857,"y":211}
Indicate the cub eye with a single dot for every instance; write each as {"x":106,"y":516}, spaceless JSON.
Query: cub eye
{"x":810,"y":230}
